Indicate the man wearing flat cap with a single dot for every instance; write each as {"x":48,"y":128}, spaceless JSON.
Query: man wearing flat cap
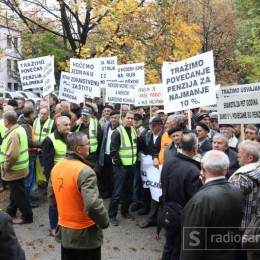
{"x":202,"y":131}
{"x":105,"y":161}
{"x":175,"y":134}
{"x":92,"y":129}
{"x":107,"y":109}
{"x":228,"y":131}
{"x":137,"y":195}
{"x":140,"y":111}
{"x":205,"y":119}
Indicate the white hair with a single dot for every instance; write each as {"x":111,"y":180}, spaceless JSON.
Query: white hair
{"x":215,"y":162}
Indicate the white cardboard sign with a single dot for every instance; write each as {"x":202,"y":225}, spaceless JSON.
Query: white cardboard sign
{"x":241,"y":109}
{"x":240,"y":89}
{"x":108,"y":70}
{"x":66,"y":92}
{"x":149,"y":95}
{"x":151,"y":176}
{"x":31,"y":72}
{"x":48,"y":77}
{"x":117,"y":92}
{"x":189,"y":83}
{"x":131,"y":74}
{"x":85,"y":77}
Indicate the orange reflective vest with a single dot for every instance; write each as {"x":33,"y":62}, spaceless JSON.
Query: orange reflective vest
{"x":33,"y":139}
{"x":165,"y":141}
{"x":64,"y":177}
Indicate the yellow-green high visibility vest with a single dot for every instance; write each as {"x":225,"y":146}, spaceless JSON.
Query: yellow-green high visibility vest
{"x":60,"y":148}
{"x":92,"y":134}
{"x":127,"y":152}
{"x":2,"y":128}
{"x":23,"y":160}
{"x":41,"y":134}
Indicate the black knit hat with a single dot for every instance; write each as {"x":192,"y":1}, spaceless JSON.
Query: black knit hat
{"x":173,"y":130}
{"x":204,"y":126}
{"x":201,"y":116}
{"x":115,"y":112}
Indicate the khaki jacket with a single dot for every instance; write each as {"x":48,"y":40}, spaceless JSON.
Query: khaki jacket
{"x":12,"y":155}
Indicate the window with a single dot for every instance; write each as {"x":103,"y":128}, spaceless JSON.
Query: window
{"x":9,"y":41}
{"x":9,"y":86}
{"x":15,"y":65}
{"x":15,"y":39}
{"x":15,"y":86}
{"x":9,"y":66}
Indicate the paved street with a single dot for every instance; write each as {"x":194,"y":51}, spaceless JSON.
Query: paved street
{"x":127,"y":241}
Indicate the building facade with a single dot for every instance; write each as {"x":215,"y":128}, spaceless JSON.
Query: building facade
{"x":10,"y":53}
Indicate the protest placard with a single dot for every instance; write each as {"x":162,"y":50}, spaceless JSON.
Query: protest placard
{"x":120,"y":93}
{"x":189,"y":83}
{"x":146,"y":160}
{"x":85,"y":77}
{"x":108,"y":69}
{"x":2,"y":86}
{"x":66,"y":92}
{"x":149,"y":95}
{"x":48,"y":76}
{"x":240,"y":109}
{"x":31,"y":72}
{"x":131,"y":74}
{"x":151,"y":176}
{"x":240,"y":89}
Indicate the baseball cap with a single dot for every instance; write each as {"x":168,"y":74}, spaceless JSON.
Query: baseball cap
{"x":86,"y":111}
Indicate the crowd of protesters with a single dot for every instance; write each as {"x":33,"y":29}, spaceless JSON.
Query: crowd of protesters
{"x":211,"y":170}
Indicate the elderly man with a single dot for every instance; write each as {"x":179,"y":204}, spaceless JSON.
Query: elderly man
{"x":105,"y":115}
{"x":247,"y":178}
{"x":83,"y":215}
{"x":180,"y":181}
{"x":175,"y":134}
{"x":151,"y":141}
{"x":220,"y":143}
{"x":205,"y":119}
{"x":65,"y":109}
{"x":92,"y":129}
{"x":14,"y":160}
{"x":54,"y":149}
{"x":202,"y":133}
{"x":228,"y":130}
{"x":212,"y":214}
{"x":145,"y":117}
{"x":214,"y":121}
{"x":105,"y":161}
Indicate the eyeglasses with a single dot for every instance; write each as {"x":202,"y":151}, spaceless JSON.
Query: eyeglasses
{"x":84,"y":144}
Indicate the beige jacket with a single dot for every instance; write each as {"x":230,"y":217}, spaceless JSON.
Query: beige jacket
{"x":12,"y":155}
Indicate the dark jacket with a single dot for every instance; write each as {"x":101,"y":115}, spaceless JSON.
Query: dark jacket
{"x":169,"y":152}
{"x":10,"y":248}
{"x":217,"y":204}
{"x":93,"y":157}
{"x":182,"y":174}
{"x":233,"y":162}
{"x":31,"y":144}
{"x":205,"y":147}
{"x":104,"y":143}
{"x":49,"y":152}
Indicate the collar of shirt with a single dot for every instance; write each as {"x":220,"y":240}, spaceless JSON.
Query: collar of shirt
{"x":214,"y":178}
